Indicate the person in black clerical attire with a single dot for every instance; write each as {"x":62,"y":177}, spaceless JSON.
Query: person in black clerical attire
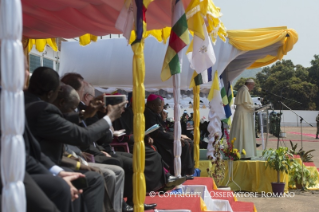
{"x":151,"y":154}
{"x":154,"y":173}
{"x":164,"y":141}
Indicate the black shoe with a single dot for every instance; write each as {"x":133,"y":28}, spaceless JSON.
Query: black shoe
{"x":258,"y":145}
{"x":189,"y":177}
{"x":257,"y":136}
{"x":126,"y":207}
{"x":149,"y":206}
{"x":172,"y":182}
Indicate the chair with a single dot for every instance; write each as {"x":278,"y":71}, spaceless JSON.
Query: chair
{"x":123,"y":145}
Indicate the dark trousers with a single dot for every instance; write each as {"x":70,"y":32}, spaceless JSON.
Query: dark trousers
{"x":47,"y":193}
{"x":107,"y":160}
{"x":126,"y":162}
{"x":166,"y":149}
{"x":154,"y":172}
{"x":93,"y":195}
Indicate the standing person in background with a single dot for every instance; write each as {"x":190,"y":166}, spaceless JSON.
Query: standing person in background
{"x":243,"y":124}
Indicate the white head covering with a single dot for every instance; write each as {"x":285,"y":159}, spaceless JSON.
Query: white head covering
{"x":250,"y":80}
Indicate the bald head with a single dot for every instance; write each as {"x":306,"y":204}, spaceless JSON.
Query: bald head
{"x":68,"y":99}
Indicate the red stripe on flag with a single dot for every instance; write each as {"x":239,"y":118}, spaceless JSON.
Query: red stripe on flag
{"x":144,"y":12}
{"x":176,"y":42}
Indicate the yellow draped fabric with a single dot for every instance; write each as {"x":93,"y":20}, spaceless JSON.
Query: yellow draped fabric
{"x":40,"y":44}
{"x":204,"y":11}
{"x":86,"y":39}
{"x":197,"y":11}
{"x":139,"y":187}
{"x":313,"y":171}
{"x":196,"y":91}
{"x":250,"y":175}
{"x":161,"y":35}
{"x":253,"y":39}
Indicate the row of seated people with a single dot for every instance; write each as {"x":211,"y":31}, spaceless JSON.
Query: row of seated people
{"x":53,"y":130}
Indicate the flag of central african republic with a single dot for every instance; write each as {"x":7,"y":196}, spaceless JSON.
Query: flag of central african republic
{"x":179,"y":38}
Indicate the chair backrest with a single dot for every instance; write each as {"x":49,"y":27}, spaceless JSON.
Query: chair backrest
{"x":122,"y":145}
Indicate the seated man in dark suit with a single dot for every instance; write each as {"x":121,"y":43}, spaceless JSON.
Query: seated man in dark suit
{"x":44,"y":191}
{"x":164,"y":141}
{"x":52,"y":130}
{"x":41,"y":170}
{"x":67,"y":100}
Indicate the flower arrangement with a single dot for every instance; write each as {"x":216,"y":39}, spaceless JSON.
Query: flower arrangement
{"x":231,"y":152}
{"x":219,"y":172}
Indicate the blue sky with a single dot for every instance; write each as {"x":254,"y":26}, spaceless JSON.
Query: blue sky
{"x":300,"y":15}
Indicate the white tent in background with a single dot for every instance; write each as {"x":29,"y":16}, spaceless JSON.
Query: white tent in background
{"x":107,"y":63}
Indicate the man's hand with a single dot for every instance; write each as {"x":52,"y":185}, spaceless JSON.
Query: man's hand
{"x":74,"y":192}
{"x":101,"y":98}
{"x":106,"y":154}
{"x":94,"y":106}
{"x":114,"y":111}
{"x":184,"y":141}
{"x":67,"y":174}
{"x":184,"y":137}
{"x":150,"y":141}
{"x":164,"y":115}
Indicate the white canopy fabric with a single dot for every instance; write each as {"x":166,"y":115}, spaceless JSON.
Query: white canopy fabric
{"x":12,"y":107}
{"x":108,"y":63}
{"x":243,"y":60}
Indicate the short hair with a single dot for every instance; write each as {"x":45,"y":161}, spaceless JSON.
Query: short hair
{"x":43,"y":80}
{"x":64,"y":92}
{"x":73,"y":79}
{"x":67,"y":92}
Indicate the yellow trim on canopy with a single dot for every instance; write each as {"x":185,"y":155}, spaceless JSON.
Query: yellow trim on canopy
{"x":161,"y":35}
{"x":40,"y":44}
{"x":253,"y":39}
{"x":86,"y":39}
